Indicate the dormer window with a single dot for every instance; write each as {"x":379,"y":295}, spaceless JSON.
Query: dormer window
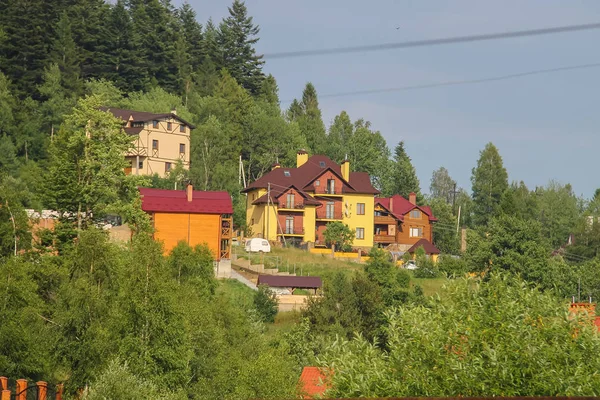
{"x":322,"y":164}
{"x":155,"y":124}
{"x":286,"y":173}
{"x":169,"y":126}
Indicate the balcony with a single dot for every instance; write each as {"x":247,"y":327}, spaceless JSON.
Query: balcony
{"x":329,"y":215}
{"x":291,"y":207}
{"x":226,"y":231}
{"x":291,"y":231}
{"x":385,"y":239}
{"x":385,"y":220}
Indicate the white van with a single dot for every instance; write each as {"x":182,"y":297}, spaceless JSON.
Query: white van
{"x":258,"y":245}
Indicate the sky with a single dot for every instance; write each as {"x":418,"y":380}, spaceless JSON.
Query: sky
{"x":545,"y":126}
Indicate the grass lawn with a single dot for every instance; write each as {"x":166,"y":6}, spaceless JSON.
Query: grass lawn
{"x":236,"y":291}
{"x":430,"y":286}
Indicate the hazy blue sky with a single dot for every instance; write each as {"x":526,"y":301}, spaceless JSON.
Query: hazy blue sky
{"x":545,"y":126}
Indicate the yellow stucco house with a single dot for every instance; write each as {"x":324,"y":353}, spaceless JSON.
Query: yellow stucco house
{"x":296,"y":204}
{"x":159,"y":141}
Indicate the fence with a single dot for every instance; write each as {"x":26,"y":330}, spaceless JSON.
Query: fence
{"x":24,"y":391}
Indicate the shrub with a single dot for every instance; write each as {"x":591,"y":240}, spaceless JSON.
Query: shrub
{"x":266,"y":303}
{"x":453,"y":267}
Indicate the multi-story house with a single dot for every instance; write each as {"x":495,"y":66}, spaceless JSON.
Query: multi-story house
{"x":402,"y":222}
{"x":296,"y":204}
{"x":159,"y":141}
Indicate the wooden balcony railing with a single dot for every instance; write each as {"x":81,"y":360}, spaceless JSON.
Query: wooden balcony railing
{"x":329,"y":215}
{"x":226,"y":228}
{"x":287,"y":230}
{"x":385,"y":220}
{"x":290,"y":206}
{"x":385,"y":239}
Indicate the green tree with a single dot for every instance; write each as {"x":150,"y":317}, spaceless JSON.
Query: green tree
{"x":65,"y":55}
{"x":266,"y":303}
{"x":442,"y":186}
{"x":489,"y":180}
{"x":445,"y":236}
{"x":519,"y":201}
{"x":15,"y":233}
{"x":559,"y":210}
{"x":57,"y":101}
{"x":311,"y":121}
{"x":237,"y":37}
{"x":339,"y":235}
{"x":403,"y":175}
{"x":87,"y":165}
{"x":488,"y":338}
{"x":194,"y":265}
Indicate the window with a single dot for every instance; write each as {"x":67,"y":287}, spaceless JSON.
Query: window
{"x":330,"y":210}
{"x":182,"y":148}
{"x":289,"y":225}
{"x":322,"y":164}
{"x":167,"y":166}
{"x":252,"y":221}
{"x":317,"y":183}
{"x":360,"y":208}
{"x":330,"y":186}
{"x":415,"y":214}
{"x":254,"y":197}
{"x":154,"y":144}
{"x":141,"y":165}
{"x":155,"y":124}
{"x":169,"y":126}
{"x":286,"y":173}
{"x":416,"y":232}
{"x":137,"y":124}
{"x":182,"y":128}
{"x":290,"y":200}
{"x":360,"y":233}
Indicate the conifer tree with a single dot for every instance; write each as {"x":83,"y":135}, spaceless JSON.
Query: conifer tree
{"x":442,"y":185}
{"x":311,"y":121}
{"x":237,"y":37}
{"x":64,"y":54}
{"x":489,"y":180}
{"x":403,"y":175}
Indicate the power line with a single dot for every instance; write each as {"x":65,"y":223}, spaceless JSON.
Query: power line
{"x":433,"y":42}
{"x":460,"y":82}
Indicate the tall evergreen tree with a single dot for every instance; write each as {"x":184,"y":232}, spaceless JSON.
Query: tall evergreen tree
{"x":311,"y":121}
{"x":403,"y":175}
{"x":237,"y":37}
{"x":65,"y":55}
{"x":489,"y":180}
{"x":57,"y":100}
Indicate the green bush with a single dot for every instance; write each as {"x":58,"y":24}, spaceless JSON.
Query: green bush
{"x":453,"y":267}
{"x":266,"y":303}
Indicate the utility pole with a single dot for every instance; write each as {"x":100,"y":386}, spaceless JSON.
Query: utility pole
{"x":458,"y":220}
{"x":453,"y":191}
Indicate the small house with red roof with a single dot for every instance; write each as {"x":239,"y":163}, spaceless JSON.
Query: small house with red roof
{"x":193,"y":216}
{"x":402,"y":222}
{"x":296,"y":204}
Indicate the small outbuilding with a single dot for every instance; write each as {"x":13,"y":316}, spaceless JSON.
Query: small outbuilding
{"x":291,"y":282}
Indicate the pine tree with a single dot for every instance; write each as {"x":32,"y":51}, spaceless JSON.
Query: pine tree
{"x":237,"y":37}
{"x":489,"y":180}
{"x":7,"y":106}
{"x":65,"y":55}
{"x":295,"y":111}
{"x":403,"y":175}
{"x":311,"y":121}
{"x":57,"y":100}
{"x":340,"y":133}
{"x":192,"y":34}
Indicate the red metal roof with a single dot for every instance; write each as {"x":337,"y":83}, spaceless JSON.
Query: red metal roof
{"x":312,"y":382}
{"x":304,"y":176}
{"x":308,"y":282}
{"x":160,"y":200}
{"x":402,"y":206}
{"x":427,"y":246}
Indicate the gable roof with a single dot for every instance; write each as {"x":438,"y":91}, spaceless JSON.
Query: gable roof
{"x":302,"y":177}
{"x":175,"y":201}
{"x":312,"y":382}
{"x":402,"y":206}
{"x":308,"y":282}
{"x":142,"y":116}
{"x":427,"y":246}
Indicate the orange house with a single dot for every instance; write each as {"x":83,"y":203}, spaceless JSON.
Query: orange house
{"x":193,"y":216}
{"x":402,"y":222}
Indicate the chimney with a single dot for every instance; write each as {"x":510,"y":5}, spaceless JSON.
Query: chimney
{"x":391,"y":204}
{"x":174,"y":111}
{"x":301,"y":158}
{"x":275,"y":166}
{"x":189,"y":190}
{"x":346,"y":170}
{"x":412,"y":198}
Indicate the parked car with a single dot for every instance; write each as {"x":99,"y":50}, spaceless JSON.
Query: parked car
{"x":411,"y":264}
{"x":258,"y":245}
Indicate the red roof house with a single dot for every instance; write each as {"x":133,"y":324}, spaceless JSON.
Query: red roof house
{"x":192,"y":216}
{"x":402,"y":222}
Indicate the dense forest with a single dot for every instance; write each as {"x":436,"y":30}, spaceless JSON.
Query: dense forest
{"x":109,"y":319}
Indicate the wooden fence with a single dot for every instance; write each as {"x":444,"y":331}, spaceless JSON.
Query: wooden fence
{"x":23,"y":390}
